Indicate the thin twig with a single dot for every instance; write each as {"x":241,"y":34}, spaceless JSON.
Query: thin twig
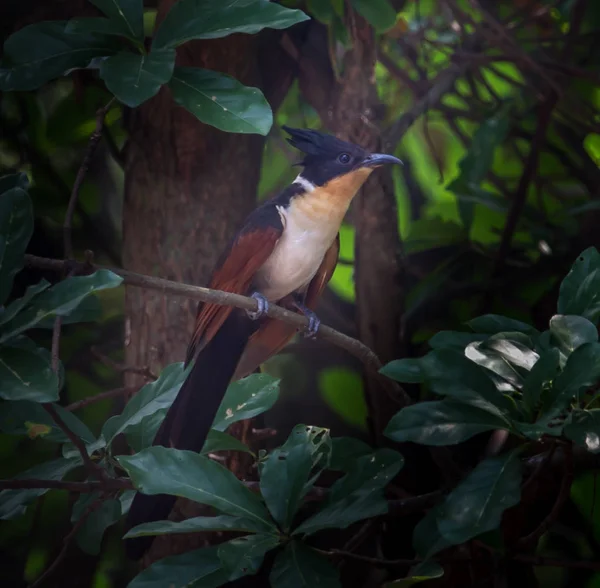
{"x":102,"y":396}
{"x":352,"y":346}
{"x":143,"y":371}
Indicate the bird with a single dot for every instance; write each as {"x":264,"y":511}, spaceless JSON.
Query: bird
{"x":284,"y":253}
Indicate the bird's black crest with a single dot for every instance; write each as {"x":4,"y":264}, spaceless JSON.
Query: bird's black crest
{"x":316,"y":144}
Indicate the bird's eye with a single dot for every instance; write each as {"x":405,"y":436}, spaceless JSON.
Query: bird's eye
{"x":344,"y":158}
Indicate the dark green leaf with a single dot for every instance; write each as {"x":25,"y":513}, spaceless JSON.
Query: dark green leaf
{"x":61,"y":300}
{"x":584,"y":429}
{"x":476,"y":505}
{"x":345,"y":451}
{"x":205,"y":19}
{"x":159,"y":470}
{"x":17,"y":305}
{"x":26,"y":374}
{"x":89,"y":536}
{"x":444,"y":422}
{"x":201,"y":568}
{"x":219,"y":441}
{"x":88,"y":310}
{"x":193,"y":525}
{"x":427,"y":570}
{"x":284,"y":478}
{"x":541,"y":375}
{"x":13,"y":503}
{"x":221,"y":101}
{"x":433,"y":233}
{"x":581,"y":371}
{"x":142,"y":436}
{"x":43,"y":51}
{"x":580,"y":290}
{"x":299,"y":566}
{"x":572,"y":331}
{"x":494,"y":323}
{"x":155,"y":397}
{"x":358,"y":495}
{"x":246,"y":399}
{"x":427,"y":540}
{"x":454,"y":339}
{"x":408,"y":371}
{"x":23,"y":417}
{"x":97,"y":25}
{"x":322,"y":10}
{"x":378,"y":13}
{"x":244,"y":556}
{"x":16,"y":228}
{"x":127,"y":14}
{"x":135,"y":78}
{"x":9,"y":181}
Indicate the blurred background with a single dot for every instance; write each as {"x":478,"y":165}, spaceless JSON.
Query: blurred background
{"x":494,"y":107}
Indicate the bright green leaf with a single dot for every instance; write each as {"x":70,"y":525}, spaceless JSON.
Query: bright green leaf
{"x":572,"y":331}
{"x":127,"y":14}
{"x":246,"y":399}
{"x":476,"y":505}
{"x":43,"y":51}
{"x":16,"y":228}
{"x":299,"y":566}
{"x":221,"y":101}
{"x":135,"y":78}
{"x":444,"y":422}
{"x":206,"y":19}
{"x":159,"y":470}
{"x":193,"y":525}
{"x":62,"y":299}
{"x":580,"y":290}
{"x":378,"y":13}
{"x":13,"y":503}
{"x":155,"y":397}
{"x":583,"y":429}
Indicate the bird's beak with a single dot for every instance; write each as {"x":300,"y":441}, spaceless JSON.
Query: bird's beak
{"x":377,"y":159}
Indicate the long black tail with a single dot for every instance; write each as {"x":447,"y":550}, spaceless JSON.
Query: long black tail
{"x":191,"y":415}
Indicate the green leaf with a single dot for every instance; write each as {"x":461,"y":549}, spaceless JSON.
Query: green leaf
{"x":135,"y":78}
{"x":494,"y":323}
{"x":580,"y":290}
{"x":541,"y":375}
{"x":299,"y":566}
{"x":13,"y":503}
{"x":444,"y":422}
{"x":322,"y":10}
{"x":408,"y":370}
{"x":154,"y":398}
{"x":454,"y":340}
{"x":17,"y":305}
{"x":219,"y":441}
{"x":18,"y":180}
{"x":572,"y":331}
{"x":97,"y":25}
{"x":128,"y":15}
{"x":244,"y":556}
{"x":193,"y":525}
{"x":427,"y":540}
{"x":89,"y":536}
{"x":43,"y":51}
{"x":221,"y":101}
{"x":380,"y":14}
{"x":358,"y":495}
{"x":16,"y":228}
{"x":159,"y":470}
{"x":88,"y":310}
{"x":583,"y":429}
{"x":508,"y":359}
{"x":201,"y":568}
{"x":23,"y":417}
{"x":581,"y":371}
{"x":205,"y":19}
{"x":26,"y":373}
{"x":246,"y":399}
{"x":61,"y":300}
{"x":427,"y":570}
{"x":284,"y":478}
{"x":345,"y":451}
{"x":476,"y":505}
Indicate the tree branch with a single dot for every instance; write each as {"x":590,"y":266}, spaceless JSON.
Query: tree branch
{"x":102,"y":396}
{"x":352,"y":346}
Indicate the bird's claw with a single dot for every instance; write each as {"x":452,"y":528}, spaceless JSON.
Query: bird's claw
{"x":262,"y":306}
{"x":314,"y":322}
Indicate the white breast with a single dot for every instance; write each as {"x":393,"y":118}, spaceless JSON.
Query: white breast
{"x":297,"y":255}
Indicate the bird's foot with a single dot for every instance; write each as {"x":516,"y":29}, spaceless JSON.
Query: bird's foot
{"x":263,"y":306}
{"x":314,"y":322}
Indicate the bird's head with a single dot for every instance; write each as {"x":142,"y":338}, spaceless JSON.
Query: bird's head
{"x":329,"y":161}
